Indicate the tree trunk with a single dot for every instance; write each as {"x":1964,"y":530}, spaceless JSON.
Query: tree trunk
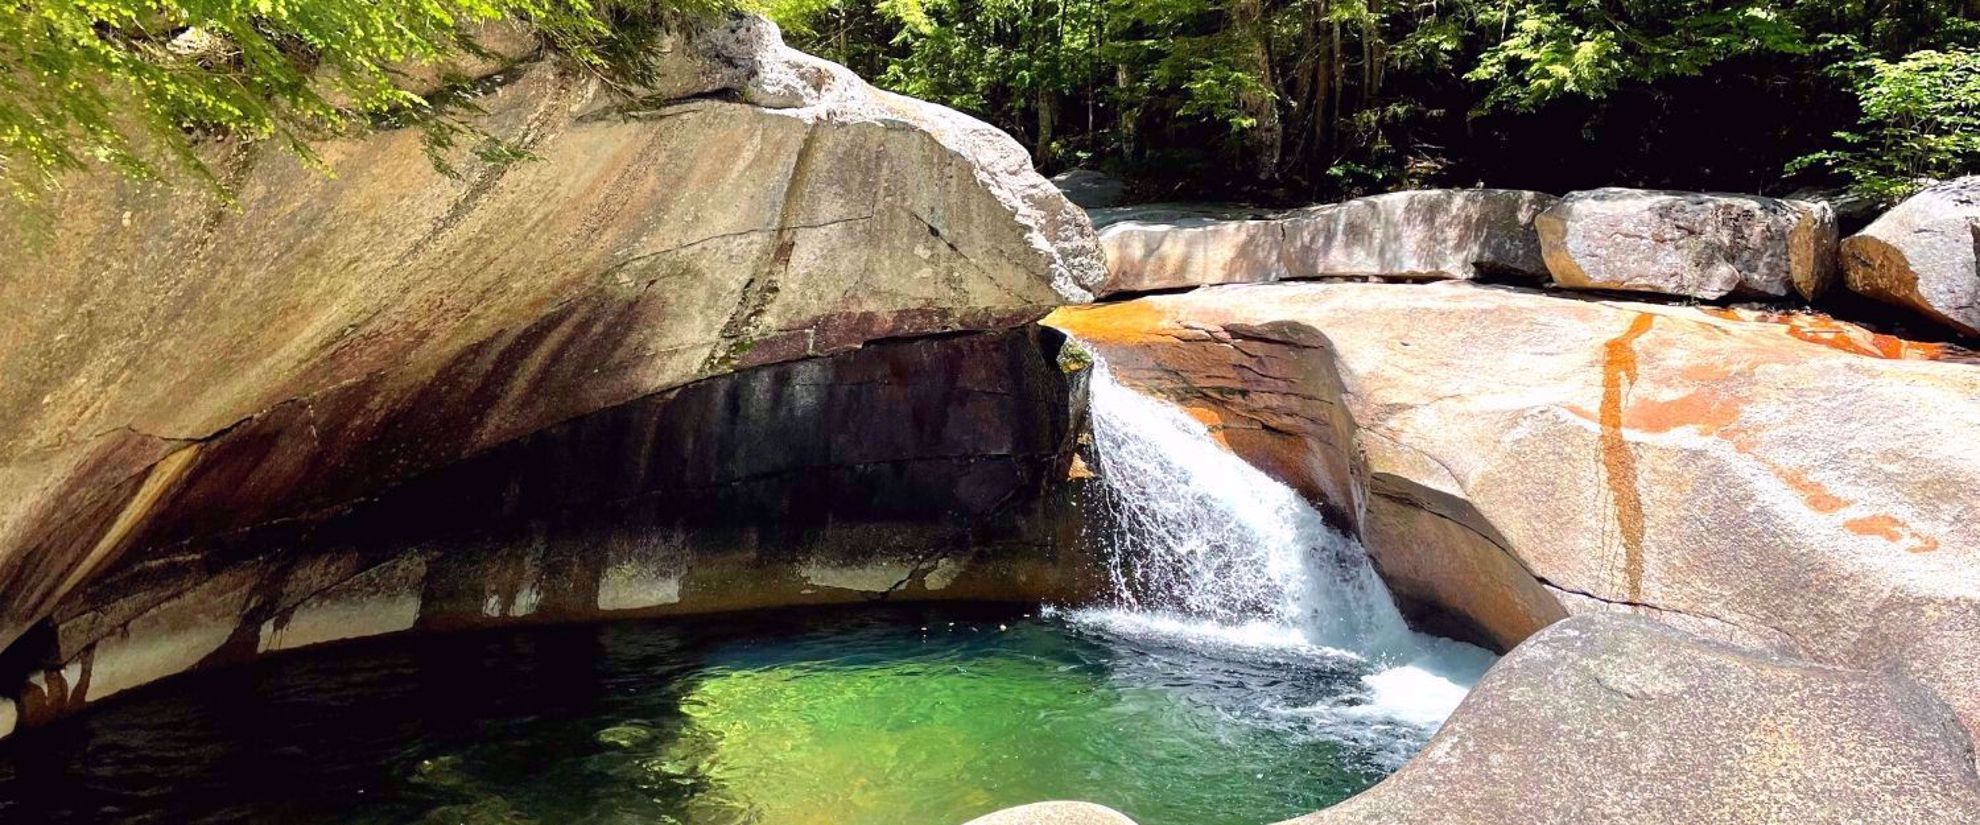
{"x":1266,"y":135}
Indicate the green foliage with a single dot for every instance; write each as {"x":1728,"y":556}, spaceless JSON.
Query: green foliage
{"x":137,"y":84}
{"x":1273,"y":99}
{"x":1920,"y":121}
{"x":1588,"y":48}
{"x":1320,"y":98}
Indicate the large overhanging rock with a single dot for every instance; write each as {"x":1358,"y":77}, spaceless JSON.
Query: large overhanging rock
{"x":1922,"y":255}
{"x":915,"y":469}
{"x":1511,"y":457}
{"x":178,"y":370}
{"x":1614,"y":719}
{"x":1430,"y":234}
{"x":1689,"y":243}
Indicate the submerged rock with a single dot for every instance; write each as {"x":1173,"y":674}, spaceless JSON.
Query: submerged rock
{"x":1689,"y":244}
{"x":1508,"y":458}
{"x":1432,"y":234}
{"x":1054,"y":813}
{"x":1922,"y":255}
{"x":177,"y":370}
{"x":1616,"y":719}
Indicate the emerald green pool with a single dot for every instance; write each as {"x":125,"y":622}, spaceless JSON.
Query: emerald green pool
{"x":875,"y":716}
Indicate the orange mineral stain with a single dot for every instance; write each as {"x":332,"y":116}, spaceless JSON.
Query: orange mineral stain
{"x":1128,"y":322}
{"x":1619,"y":370}
{"x":1882,"y":526}
{"x":1708,"y":410}
{"x":1812,"y":492}
{"x":1892,"y":529}
{"x":1822,"y":330}
{"x":1211,"y":419}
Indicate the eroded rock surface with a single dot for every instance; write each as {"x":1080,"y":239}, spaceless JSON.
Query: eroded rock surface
{"x":1150,"y":249}
{"x":1789,"y":481}
{"x":1690,"y":244}
{"x":1426,"y":234}
{"x":1431,"y":234}
{"x":1922,"y":255}
{"x":1616,"y":719}
{"x":177,"y":369}
{"x":923,"y":469}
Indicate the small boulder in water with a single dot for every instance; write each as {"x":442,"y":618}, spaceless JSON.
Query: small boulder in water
{"x":624,"y":736}
{"x":1055,"y":813}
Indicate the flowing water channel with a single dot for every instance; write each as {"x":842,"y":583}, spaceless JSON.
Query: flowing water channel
{"x":1249,"y":667}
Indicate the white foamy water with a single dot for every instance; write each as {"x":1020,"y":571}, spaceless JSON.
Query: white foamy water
{"x":1206,"y":550}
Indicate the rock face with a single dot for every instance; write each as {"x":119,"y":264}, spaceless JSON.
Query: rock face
{"x":1054,"y":813}
{"x":1615,"y":719}
{"x":177,"y":370}
{"x":922,"y":469}
{"x":1434,"y":234}
{"x":1148,"y":250}
{"x":1510,"y":457}
{"x":1690,"y":244}
{"x":1922,"y":255}
{"x":1417,"y":235}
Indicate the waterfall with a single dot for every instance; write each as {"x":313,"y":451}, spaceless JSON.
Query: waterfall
{"x":1202,"y":545}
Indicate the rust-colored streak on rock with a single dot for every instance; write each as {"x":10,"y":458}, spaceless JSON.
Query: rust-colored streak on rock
{"x":1212,"y":419}
{"x":1816,"y":328}
{"x":1812,"y":492}
{"x":1123,"y":323}
{"x":1618,"y":463}
{"x":1708,"y":410}
{"x":1882,"y":526}
{"x":1892,"y":529}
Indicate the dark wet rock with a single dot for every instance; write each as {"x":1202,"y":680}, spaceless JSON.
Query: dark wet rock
{"x":924,"y":469}
{"x":1618,"y":719}
{"x":1089,"y":189}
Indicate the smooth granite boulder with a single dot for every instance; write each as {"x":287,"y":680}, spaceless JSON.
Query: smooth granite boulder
{"x":1609,"y":719}
{"x":1689,"y":244}
{"x":1430,"y":234}
{"x":1511,"y":457}
{"x":1924,"y":255}
{"x":177,"y":371}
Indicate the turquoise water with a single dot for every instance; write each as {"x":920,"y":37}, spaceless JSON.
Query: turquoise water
{"x":881,"y":716}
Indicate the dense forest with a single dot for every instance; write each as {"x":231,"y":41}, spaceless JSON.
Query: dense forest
{"x":1268,"y":100}
{"x":1315,"y":99}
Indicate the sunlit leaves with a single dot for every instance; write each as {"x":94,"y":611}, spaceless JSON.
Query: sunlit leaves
{"x":1921,"y":121}
{"x":135,"y":83}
